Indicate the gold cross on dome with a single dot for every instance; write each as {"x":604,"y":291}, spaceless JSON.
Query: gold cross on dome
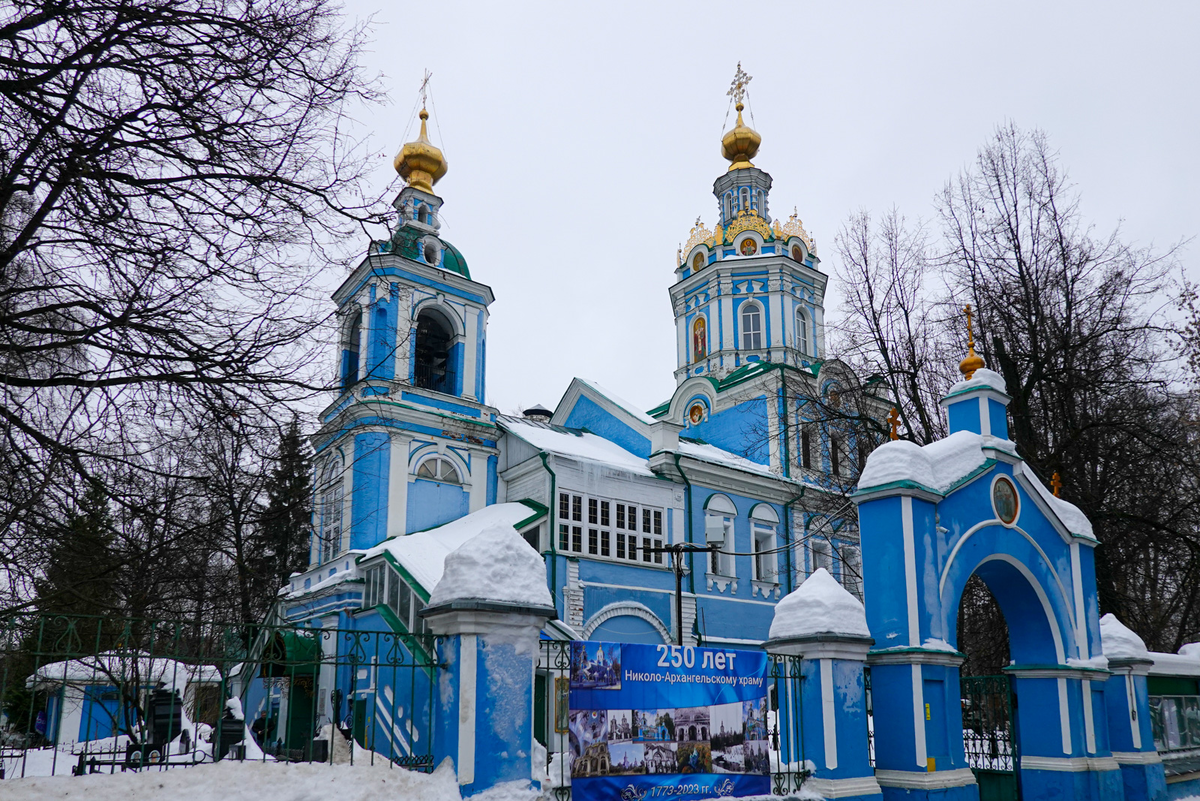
{"x":737,"y":89}
{"x":893,"y":418}
{"x":1056,"y":484}
{"x":425,"y":87}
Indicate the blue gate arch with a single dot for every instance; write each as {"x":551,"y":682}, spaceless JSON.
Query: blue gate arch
{"x":931,"y":517}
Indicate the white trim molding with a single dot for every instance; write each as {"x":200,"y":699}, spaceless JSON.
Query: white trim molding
{"x":1137,"y":757}
{"x":844,"y":788}
{"x":915,"y":780}
{"x":630,"y":608}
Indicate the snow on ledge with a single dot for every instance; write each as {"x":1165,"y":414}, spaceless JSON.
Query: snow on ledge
{"x":819,"y":606}
{"x":983,"y":377}
{"x":1119,"y":642}
{"x":937,"y":466}
{"x":496,"y":565}
{"x":617,"y":400}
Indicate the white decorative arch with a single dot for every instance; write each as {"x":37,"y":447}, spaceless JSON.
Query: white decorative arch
{"x":764,"y":513}
{"x":447,"y":311}
{"x":690,"y":389}
{"x":625,"y":609}
{"x":1062,"y":589}
{"x":720,"y":504}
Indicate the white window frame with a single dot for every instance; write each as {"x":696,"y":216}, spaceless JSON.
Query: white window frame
{"x":331,"y":510}
{"x":721,"y":564}
{"x":751,"y":339}
{"x":820,"y":554}
{"x":764,"y":523}
{"x":574,"y":534}
{"x":443,"y":463}
{"x":802,"y":341}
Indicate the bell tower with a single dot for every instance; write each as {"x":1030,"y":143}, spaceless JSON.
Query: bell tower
{"x":408,"y":443}
{"x":750,"y":290}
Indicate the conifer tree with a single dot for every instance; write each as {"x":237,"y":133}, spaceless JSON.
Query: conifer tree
{"x":286,"y":522}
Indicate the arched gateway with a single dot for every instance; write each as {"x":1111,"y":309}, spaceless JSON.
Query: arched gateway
{"x":932,"y":516}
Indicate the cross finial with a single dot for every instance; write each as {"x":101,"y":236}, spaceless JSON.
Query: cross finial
{"x":894,"y":419}
{"x":973,"y":361}
{"x":425,"y":88}
{"x":737,"y":89}
{"x":1056,"y":484}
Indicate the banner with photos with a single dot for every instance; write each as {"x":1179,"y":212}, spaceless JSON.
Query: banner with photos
{"x":664,"y":721}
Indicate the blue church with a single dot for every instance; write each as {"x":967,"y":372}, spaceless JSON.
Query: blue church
{"x":745,"y":478}
{"x":410,"y":461}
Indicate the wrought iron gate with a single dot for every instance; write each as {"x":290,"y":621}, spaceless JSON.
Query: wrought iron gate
{"x":988,"y":708}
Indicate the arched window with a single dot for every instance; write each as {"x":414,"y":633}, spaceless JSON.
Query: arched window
{"x":763,"y":523}
{"x":432,"y":368}
{"x":329,"y":509}
{"x":719,"y":514}
{"x":728,"y":207}
{"x":802,"y":331}
{"x":431,"y":251}
{"x":699,"y":339}
{"x":423,"y":215}
{"x":353,"y":339}
{"x":745,"y":198}
{"x":439,"y":468}
{"x":752,"y":338}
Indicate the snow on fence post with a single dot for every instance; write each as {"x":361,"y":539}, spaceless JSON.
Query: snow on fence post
{"x":488,"y":610}
{"x":1127,"y":703}
{"x":827,"y":627}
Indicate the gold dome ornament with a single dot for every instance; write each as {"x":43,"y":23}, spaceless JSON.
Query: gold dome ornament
{"x":740,"y":144}
{"x":973,"y":362}
{"x":420,"y":163}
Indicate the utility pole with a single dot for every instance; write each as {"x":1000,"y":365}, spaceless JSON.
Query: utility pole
{"x":678,"y":550}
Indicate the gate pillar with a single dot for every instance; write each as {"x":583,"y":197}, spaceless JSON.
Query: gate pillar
{"x":916,"y":697}
{"x":811,"y":623}
{"x":1128,"y":711}
{"x":488,"y":610}
{"x":483,"y":718}
{"x":1062,"y":728}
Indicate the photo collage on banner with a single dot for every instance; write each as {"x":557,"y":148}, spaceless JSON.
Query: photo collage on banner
{"x":690,"y":720}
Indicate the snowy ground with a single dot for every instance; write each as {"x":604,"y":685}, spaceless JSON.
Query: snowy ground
{"x":256,"y":781}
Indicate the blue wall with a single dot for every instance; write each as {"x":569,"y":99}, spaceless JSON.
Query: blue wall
{"x":433,"y":503}
{"x":590,"y":415}
{"x":368,"y":507}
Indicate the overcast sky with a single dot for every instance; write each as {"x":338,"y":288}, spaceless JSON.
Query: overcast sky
{"x":583,"y":141}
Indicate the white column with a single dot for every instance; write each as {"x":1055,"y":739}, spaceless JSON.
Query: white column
{"x":397,"y":516}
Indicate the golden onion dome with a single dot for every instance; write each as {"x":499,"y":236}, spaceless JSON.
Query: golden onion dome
{"x":420,"y":163}
{"x":740,"y":144}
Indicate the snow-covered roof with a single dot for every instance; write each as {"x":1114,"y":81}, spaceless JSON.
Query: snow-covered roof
{"x":112,"y":666}
{"x":495,"y":565}
{"x":983,"y":377}
{"x":423,"y":554}
{"x":584,"y":445}
{"x":1071,"y":515}
{"x":938,"y":466}
{"x":619,"y":401}
{"x":819,"y":606}
{"x":340,"y":577}
{"x":714,"y":455}
{"x":1119,"y":641}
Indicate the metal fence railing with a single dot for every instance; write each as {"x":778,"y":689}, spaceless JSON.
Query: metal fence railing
{"x":89,"y":694}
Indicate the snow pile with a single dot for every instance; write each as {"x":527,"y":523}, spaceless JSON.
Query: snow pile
{"x":982,"y":377}
{"x":939,"y":465}
{"x":424,"y":553}
{"x":819,"y":606}
{"x":496,"y":565}
{"x":584,"y":446}
{"x":249,"y":781}
{"x":1191,"y":651}
{"x":1119,"y":642}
